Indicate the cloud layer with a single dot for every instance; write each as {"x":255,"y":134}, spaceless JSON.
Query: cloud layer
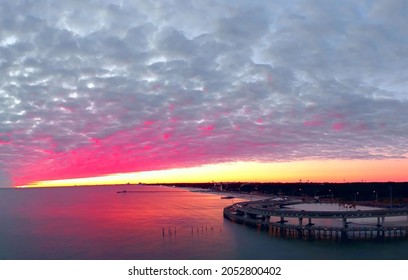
{"x":94,"y":87}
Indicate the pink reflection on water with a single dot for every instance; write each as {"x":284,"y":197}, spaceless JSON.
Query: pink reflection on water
{"x":99,"y":223}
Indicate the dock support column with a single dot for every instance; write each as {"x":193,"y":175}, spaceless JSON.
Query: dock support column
{"x":344,"y":235}
{"x":299,"y":230}
{"x":344,"y":222}
{"x":380,"y":221}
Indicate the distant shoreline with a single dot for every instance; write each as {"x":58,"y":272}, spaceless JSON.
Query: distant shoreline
{"x":382,"y":194}
{"x":377,"y":194}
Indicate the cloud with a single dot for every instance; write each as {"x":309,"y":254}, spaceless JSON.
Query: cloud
{"x":5,"y":180}
{"x":92,"y":88}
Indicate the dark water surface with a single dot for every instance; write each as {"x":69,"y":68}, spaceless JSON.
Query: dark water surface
{"x":151,"y":223}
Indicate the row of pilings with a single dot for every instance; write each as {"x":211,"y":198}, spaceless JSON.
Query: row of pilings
{"x":312,"y":232}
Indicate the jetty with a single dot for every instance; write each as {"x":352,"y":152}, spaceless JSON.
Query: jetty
{"x":271,"y":215}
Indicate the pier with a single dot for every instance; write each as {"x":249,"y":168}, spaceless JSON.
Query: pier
{"x":271,"y":215}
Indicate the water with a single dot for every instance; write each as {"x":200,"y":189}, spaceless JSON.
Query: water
{"x":152,"y":223}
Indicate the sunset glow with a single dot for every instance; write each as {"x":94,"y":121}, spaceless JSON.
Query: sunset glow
{"x":302,"y":171}
{"x":252,"y":91}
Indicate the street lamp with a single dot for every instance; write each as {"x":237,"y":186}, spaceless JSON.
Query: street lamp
{"x":300,"y":192}
{"x":355,"y":197}
{"x":376,"y":196}
{"x":390,"y":196}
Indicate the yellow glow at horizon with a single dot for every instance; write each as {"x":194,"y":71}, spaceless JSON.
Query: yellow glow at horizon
{"x":310,"y":170}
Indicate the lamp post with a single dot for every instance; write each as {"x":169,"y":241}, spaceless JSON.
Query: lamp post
{"x":355,"y":197}
{"x":376,"y":196}
{"x":300,"y":192}
{"x":331,"y":195}
{"x":390,"y":196}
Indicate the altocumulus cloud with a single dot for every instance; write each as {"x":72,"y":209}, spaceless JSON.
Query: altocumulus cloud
{"x":97,"y":87}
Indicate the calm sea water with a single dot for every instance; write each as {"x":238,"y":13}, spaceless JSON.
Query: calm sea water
{"x":151,"y":223}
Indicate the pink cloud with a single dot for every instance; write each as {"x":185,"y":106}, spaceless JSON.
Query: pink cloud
{"x":55,"y":125}
{"x":166,"y":136}
{"x":315,"y":121}
{"x":206,"y":128}
{"x":338,"y":126}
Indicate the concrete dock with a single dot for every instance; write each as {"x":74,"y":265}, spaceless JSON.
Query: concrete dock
{"x":271,"y":215}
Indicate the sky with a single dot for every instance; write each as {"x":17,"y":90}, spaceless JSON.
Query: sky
{"x":94,"y":88}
